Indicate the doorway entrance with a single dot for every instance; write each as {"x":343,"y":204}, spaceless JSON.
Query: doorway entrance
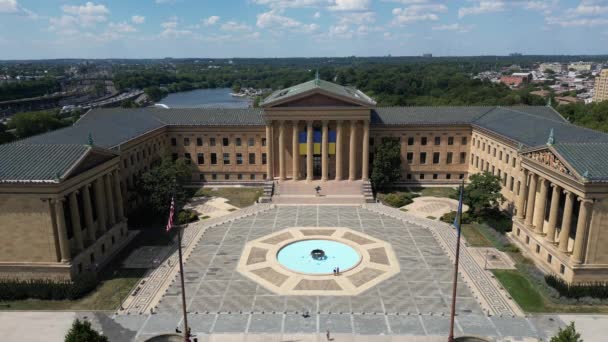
{"x":316,"y":165}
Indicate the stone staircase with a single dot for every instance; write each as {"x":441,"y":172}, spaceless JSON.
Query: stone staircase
{"x":367,"y":191}
{"x":268,"y":192}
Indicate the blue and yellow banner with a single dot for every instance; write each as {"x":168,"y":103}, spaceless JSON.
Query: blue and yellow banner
{"x":317,"y":139}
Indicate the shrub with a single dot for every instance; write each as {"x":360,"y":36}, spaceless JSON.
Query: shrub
{"x":14,"y":289}
{"x":568,"y":334}
{"x":81,"y":331}
{"x":399,"y":199}
{"x":186,"y":216}
{"x":593,"y":289}
{"x":449,"y":218}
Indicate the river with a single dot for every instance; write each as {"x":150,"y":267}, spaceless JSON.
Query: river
{"x":199,"y":98}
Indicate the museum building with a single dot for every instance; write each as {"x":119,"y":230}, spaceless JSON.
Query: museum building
{"x":64,"y":195}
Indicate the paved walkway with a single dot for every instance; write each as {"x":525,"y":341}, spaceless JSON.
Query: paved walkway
{"x":332,"y":193}
{"x":432,"y":206}
{"x":495,"y":300}
{"x":150,"y":289}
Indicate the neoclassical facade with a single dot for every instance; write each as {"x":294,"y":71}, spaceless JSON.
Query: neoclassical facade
{"x":64,"y":195}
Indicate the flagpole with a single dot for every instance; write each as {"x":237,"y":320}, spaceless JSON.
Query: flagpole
{"x":181,"y":273}
{"x":170,"y":225}
{"x":457,"y":257}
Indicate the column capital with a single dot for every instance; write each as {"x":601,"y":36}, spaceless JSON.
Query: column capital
{"x":339,"y":122}
{"x":268,"y":122}
{"x":585,"y":200}
{"x":295,"y":122}
{"x":325,"y":122}
{"x":309,"y":121}
{"x":555,"y":186}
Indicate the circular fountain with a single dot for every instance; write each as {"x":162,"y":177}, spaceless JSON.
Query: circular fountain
{"x":318,"y":256}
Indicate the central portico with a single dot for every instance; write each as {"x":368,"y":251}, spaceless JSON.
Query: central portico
{"x":318,"y":130}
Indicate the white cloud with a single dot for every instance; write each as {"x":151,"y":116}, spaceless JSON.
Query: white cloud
{"x":572,"y":22}
{"x":356,"y":17}
{"x":122,"y":27}
{"x":317,"y":15}
{"x":171,"y":29}
{"x":543,"y":6}
{"x":349,"y":5}
{"x":280,"y":4}
{"x":9,"y":6}
{"x":414,"y":13}
{"x":586,"y":8}
{"x":453,"y":27}
{"x":483,"y":6}
{"x":275,"y":20}
{"x":88,"y":14}
{"x":234,"y":26}
{"x":138,"y":19}
{"x":165,"y":1}
{"x":588,"y":13}
{"x":212,"y":20}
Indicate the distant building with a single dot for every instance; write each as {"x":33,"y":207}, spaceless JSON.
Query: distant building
{"x":556,"y":67}
{"x":427,"y":55}
{"x":566,"y":99}
{"x":516,"y":54}
{"x":601,"y":87}
{"x":516,"y":79}
{"x":580,"y":66}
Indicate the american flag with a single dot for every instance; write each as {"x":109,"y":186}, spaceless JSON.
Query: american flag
{"x":171,"y":211}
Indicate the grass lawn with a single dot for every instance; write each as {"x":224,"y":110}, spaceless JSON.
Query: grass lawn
{"x":521,"y":290}
{"x":239,"y":197}
{"x":474,"y":237}
{"x":436,"y":192}
{"x":107,"y":296}
{"x":526,"y":289}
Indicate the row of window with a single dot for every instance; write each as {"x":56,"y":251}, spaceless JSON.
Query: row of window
{"x":436,"y":157}
{"x":228,"y":176}
{"x":492,"y":151}
{"x":436,"y":140}
{"x":410,"y":176}
{"x":213,"y":142}
{"x":200,"y":158}
{"x":485,"y":166}
{"x":562,"y":268}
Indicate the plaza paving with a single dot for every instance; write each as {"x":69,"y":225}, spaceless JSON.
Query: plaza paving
{"x":414,"y":302}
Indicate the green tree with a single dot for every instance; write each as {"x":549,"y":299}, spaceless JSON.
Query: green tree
{"x":483,"y":192}
{"x":32,"y":123}
{"x":386,"y":168}
{"x":167,"y":179}
{"x":4,"y":135}
{"x":568,"y":334}
{"x":155,"y":93}
{"x":81,"y":331}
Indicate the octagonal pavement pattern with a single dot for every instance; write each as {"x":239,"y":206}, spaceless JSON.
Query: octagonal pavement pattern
{"x":413,"y":302}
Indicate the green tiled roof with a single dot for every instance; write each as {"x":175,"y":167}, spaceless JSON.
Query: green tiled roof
{"x":590,"y":158}
{"x":42,"y":157}
{"x":38,"y":163}
{"x":332,"y":88}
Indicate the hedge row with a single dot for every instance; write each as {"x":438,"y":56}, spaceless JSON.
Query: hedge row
{"x":594,"y":290}
{"x":14,"y":289}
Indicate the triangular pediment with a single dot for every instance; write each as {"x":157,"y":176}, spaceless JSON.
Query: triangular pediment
{"x":318,"y":93}
{"x":549,"y":158}
{"x":93,"y":158}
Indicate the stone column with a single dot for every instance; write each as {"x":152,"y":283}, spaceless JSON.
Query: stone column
{"x":282,"y":171}
{"x":88,"y":212}
{"x":269,"y":169}
{"x":110,"y":201}
{"x":339,"y":150}
{"x":564,"y":234}
{"x":64,"y":244}
{"x":120,"y":212}
{"x":324,"y":151}
{"x":553,"y":209}
{"x":531,"y":200}
{"x":365,"y":157}
{"x":295,"y":151}
{"x":523,"y":193}
{"x":309,"y":151}
{"x":352,"y":166}
{"x":76,"y":228}
{"x":100,"y":199}
{"x":582,"y":230}
{"x":539,"y":217}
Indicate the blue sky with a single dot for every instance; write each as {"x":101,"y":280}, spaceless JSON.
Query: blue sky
{"x":35,"y":29}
